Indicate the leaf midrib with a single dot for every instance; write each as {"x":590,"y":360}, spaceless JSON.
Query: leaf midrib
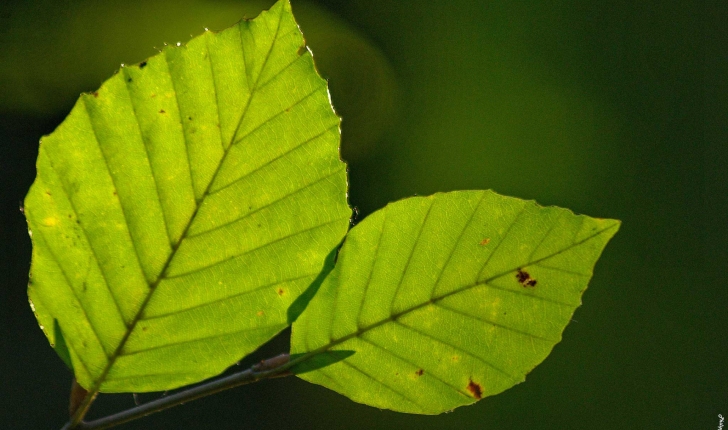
{"x":434,"y":300}
{"x":152,"y":287}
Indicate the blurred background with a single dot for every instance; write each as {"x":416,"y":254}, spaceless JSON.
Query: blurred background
{"x":612,"y":109}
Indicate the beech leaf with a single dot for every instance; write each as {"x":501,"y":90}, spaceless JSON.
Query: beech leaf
{"x":180,"y":209}
{"x":440,"y":301}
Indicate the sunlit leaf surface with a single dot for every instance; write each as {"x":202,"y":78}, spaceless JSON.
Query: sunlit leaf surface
{"x":439,"y":301}
{"x":180,"y":209}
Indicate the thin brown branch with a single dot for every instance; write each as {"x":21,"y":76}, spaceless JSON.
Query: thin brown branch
{"x":271,"y":368}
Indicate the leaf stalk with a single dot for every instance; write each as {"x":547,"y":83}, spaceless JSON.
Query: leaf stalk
{"x":270,"y":368}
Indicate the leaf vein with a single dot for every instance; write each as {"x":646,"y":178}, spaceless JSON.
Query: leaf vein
{"x":559,"y":269}
{"x":455,"y":246}
{"x":146,"y":153}
{"x":75,"y":296}
{"x":280,"y":72}
{"x":282,"y":112}
{"x":429,"y":373}
{"x":214,"y":90}
{"x":371,"y":272}
{"x":407,"y":398}
{"x":457,"y":348}
{"x":88,"y":240}
{"x":226,"y":298}
{"x":255,"y":86}
{"x":545,"y":236}
{"x":182,"y":124}
{"x":111,"y":177}
{"x":253,"y":250}
{"x":214,"y":336}
{"x":274,"y":159}
{"x":503,"y":239}
{"x":267,"y":205}
{"x":409,"y":259}
{"x":78,"y":357}
{"x":494,"y":324}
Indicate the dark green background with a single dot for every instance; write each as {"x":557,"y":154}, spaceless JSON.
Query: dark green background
{"x":613,"y":109}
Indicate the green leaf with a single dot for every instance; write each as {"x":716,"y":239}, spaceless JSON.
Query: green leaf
{"x":180,"y":209}
{"x":447,"y":299}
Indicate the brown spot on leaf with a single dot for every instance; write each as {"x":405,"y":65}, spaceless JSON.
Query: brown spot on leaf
{"x":162,"y":111}
{"x":280,"y":291}
{"x":145,"y":328}
{"x":259,"y":313}
{"x":143,"y":64}
{"x":525,"y":279}
{"x":475,"y":389}
{"x":95,"y":93}
{"x":484,"y":241}
{"x":419,"y":372}
{"x":153,"y":95}
{"x":301,"y":50}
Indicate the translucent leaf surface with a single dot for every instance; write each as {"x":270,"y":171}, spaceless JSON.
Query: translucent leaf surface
{"x":180,"y":209}
{"x":447,"y":299}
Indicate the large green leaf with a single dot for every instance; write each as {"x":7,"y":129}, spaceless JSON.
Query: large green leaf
{"x":447,"y":299}
{"x":180,"y":209}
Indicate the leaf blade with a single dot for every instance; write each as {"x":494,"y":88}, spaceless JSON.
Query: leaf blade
{"x":178,"y":196}
{"x":434,"y":296}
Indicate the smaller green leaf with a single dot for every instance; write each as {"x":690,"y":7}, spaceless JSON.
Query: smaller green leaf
{"x":448,"y":298}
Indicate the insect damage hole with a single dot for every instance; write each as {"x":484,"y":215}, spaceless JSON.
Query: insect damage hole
{"x":525,"y":279}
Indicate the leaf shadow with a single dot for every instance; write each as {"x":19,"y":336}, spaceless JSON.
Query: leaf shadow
{"x":60,"y":344}
{"x":319,"y":361}
{"x":299,"y":305}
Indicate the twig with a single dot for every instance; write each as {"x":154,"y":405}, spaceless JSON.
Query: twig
{"x":270,"y":368}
